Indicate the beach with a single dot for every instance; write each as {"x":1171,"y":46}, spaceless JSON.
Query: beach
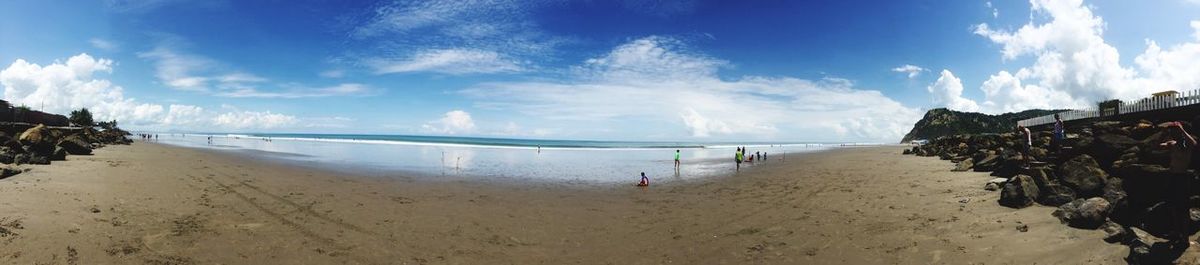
{"x":160,"y":204}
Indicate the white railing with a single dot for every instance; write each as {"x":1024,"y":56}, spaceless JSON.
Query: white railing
{"x":1145,"y":104}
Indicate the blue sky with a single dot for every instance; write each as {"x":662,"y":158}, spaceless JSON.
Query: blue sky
{"x":628,"y":70}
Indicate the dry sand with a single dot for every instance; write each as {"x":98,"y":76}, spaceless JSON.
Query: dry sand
{"x":156,"y":204}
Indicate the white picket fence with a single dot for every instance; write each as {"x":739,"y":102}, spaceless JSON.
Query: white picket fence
{"x":1146,"y":104}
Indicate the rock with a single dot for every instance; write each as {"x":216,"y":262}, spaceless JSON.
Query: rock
{"x":39,"y":160}
{"x":1080,"y":213}
{"x":988,"y":163}
{"x":1083,"y":174}
{"x":908,"y":151}
{"x":1023,"y":228}
{"x":59,"y":154}
{"x":1055,"y":195}
{"x":6,"y":172}
{"x":6,"y":158}
{"x":963,"y":165}
{"x":1019,"y":192}
{"x":22,"y":158}
{"x":1115,"y":233}
{"x":1108,"y":146}
{"x":36,"y":135}
{"x":991,"y":186}
{"x":75,"y":145}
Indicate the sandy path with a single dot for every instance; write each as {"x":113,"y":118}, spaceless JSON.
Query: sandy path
{"x":156,"y":204}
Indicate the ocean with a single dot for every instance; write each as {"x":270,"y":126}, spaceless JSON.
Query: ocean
{"x":503,"y":159}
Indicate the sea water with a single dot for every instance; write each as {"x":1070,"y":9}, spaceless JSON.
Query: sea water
{"x":497,"y":158}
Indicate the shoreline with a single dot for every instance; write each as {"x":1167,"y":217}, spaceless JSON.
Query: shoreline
{"x":694,"y":169}
{"x":151,"y":203}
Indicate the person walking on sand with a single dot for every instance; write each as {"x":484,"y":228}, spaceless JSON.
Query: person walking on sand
{"x":676,"y":160}
{"x":1181,"y":145}
{"x":645,"y":181}
{"x":1060,"y":134}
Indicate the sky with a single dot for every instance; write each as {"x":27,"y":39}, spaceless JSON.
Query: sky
{"x":830,"y":71}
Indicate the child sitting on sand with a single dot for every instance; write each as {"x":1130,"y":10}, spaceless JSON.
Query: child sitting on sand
{"x":645,"y":181}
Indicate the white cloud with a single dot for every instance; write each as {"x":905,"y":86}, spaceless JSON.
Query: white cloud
{"x":701,"y":126}
{"x":911,"y":70}
{"x":1074,"y":67}
{"x":656,"y":80}
{"x":450,"y":61}
{"x":254,"y":120}
{"x":63,"y":87}
{"x":345,"y":89}
{"x":179,"y":70}
{"x":947,"y":91}
{"x":452,"y":37}
{"x":453,"y":122}
{"x":995,"y":12}
{"x":103,"y":44}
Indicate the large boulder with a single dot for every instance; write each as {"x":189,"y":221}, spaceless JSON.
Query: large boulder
{"x":36,"y":135}
{"x":988,"y":163}
{"x":75,"y":145}
{"x":1019,"y":192}
{"x":1083,"y":174}
{"x":1086,"y":214}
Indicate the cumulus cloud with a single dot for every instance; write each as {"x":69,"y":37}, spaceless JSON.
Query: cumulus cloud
{"x":61,"y":87}
{"x":911,"y":70}
{"x":449,"y":61}
{"x":453,"y":122}
{"x":657,"y":80}
{"x":947,"y":91}
{"x":1073,"y":67}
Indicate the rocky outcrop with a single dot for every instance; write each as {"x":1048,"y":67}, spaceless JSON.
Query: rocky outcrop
{"x":943,"y":122}
{"x":1110,"y":174}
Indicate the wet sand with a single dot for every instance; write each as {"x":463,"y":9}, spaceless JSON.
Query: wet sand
{"x":157,"y":204}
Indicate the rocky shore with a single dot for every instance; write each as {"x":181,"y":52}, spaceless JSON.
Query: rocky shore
{"x":23,"y":143}
{"x":1110,"y":175}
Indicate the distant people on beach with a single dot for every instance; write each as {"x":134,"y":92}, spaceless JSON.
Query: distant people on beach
{"x":1181,"y":145}
{"x":1060,"y":135}
{"x":210,"y":140}
{"x":539,"y":149}
{"x":676,"y":160}
{"x":645,"y":181}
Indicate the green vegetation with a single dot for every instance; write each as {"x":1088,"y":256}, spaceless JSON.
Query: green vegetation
{"x":82,"y":117}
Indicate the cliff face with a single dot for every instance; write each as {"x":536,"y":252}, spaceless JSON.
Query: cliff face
{"x":943,"y":122}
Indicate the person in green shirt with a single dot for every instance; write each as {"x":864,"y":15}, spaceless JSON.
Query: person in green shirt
{"x":676,"y":160}
{"x":737,"y":157}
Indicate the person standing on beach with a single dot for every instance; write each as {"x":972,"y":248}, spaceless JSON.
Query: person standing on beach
{"x":1181,"y":145}
{"x":1060,"y":134}
{"x":676,"y":160}
{"x":737,"y":158}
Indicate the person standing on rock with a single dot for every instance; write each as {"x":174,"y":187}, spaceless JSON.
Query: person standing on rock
{"x":1026,"y":147}
{"x":1181,"y":145}
{"x":1060,"y":134}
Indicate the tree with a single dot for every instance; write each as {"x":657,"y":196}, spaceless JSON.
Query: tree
{"x":107,"y":125}
{"x":82,"y":117}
